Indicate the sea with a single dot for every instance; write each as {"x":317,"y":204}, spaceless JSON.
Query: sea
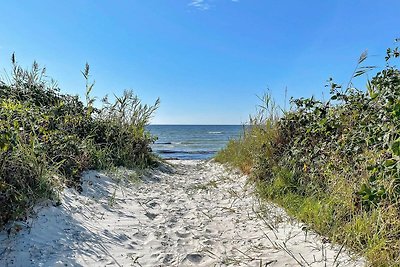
{"x":192,"y":141}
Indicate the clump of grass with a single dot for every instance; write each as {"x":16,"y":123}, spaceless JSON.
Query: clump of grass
{"x":334,"y":164}
{"x":48,"y":138}
{"x":206,"y":186}
{"x":244,"y":153}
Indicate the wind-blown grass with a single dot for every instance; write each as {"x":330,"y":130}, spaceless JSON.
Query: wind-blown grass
{"x":48,"y":138}
{"x":334,"y":164}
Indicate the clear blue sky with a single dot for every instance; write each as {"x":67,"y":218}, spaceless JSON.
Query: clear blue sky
{"x":206,"y":60}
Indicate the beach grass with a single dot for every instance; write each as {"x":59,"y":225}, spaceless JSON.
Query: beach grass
{"x":48,"y":138}
{"x":333,"y":164}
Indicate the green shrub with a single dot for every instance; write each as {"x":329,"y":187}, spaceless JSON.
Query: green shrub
{"x":335,"y":164}
{"x":48,"y":138}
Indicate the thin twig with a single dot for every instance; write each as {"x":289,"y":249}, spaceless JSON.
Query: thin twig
{"x":337,"y":255}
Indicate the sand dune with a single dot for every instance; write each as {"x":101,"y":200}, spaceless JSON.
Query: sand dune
{"x":195,"y":213}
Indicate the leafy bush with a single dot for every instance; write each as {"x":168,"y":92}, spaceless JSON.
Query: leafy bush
{"x":335,"y":164}
{"x":48,"y":138}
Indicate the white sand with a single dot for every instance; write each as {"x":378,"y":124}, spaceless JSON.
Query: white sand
{"x":199,"y":214}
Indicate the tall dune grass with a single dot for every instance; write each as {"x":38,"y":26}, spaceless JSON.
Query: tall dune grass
{"x":48,"y":138}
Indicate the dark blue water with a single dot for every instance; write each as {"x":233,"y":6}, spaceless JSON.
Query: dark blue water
{"x":192,"y":141}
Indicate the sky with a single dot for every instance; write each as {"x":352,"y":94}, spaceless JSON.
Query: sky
{"x":207,"y":60}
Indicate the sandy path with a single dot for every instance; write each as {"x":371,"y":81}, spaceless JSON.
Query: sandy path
{"x":196,"y":214}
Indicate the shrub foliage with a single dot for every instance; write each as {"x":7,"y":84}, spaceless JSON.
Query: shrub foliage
{"x":334,"y":164}
{"x":48,"y":138}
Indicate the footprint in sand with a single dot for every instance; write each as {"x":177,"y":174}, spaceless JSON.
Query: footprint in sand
{"x":208,"y":242}
{"x":182,"y":235}
{"x":152,"y":204}
{"x":158,"y":229}
{"x":150,"y":215}
{"x":167,"y":258}
{"x":140,"y":235}
{"x":194,"y":257}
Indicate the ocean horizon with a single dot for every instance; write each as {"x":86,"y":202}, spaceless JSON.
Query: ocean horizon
{"x":192,"y":141}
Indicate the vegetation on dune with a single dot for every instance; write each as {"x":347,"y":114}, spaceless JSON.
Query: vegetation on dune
{"x":48,"y":138}
{"x":333,"y":164}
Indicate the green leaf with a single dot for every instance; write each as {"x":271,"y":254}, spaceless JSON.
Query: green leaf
{"x":396,"y":147}
{"x":359,"y":73}
{"x":390,"y":162}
